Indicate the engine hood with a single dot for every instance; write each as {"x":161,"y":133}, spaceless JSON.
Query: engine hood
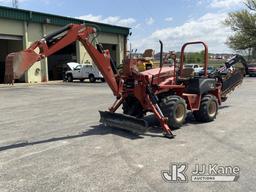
{"x":166,"y":71}
{"x":166,"y":74}
{"x":72,"y":65}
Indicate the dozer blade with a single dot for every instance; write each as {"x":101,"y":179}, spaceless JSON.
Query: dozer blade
{"x":17,"y":63}
{"x":231,"y":82}
{"x":122,"y":121}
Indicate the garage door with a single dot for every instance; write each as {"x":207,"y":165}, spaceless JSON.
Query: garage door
{"x":8,"y":44}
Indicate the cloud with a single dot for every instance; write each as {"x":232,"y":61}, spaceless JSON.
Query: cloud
{"x":225,"y":3}
{"x":168,"y":19}
{"x":91,"y":17}
{"x":118,"y":21}
{"x":113,"y":20}
{"x":208,"y":28}
{"x":200,"y":2}
{"x":150,"y":21}
{"x":10,"y":1}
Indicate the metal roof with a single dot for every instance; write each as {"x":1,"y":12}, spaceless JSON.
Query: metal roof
{"x":37,"y":17}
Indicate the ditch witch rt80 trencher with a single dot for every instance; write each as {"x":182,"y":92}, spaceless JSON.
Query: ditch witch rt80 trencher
{"x":167,"y":91}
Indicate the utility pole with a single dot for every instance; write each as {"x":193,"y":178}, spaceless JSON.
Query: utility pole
{"x":15,"y":3}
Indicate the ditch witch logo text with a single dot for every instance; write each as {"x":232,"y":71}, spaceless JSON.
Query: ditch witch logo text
{"x":201,"y":173}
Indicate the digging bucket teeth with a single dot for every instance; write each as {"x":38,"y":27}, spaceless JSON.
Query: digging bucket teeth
{"x":124,"y":122}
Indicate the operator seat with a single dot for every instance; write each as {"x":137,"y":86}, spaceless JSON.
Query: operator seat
{"x":187,"y":73}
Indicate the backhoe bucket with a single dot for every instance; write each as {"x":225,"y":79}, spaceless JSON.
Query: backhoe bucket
{"x":17,"y":63}
{"x":124,"y":122}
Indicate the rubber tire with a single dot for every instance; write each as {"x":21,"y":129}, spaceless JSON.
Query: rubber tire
{"x":169,"y":105}
{"x":132,"y":107}
{"x":92,"y":79}
{"x":69,"y":78}
{"x":202,"y":115}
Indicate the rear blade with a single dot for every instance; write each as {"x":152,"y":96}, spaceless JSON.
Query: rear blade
{"x":122,"y":121}
{"x":16,"y":64}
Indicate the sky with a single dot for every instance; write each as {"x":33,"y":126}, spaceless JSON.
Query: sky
{"x":172,"y":21}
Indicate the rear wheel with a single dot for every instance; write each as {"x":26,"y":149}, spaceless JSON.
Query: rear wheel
{"x":131,"y":106}
{"x":175,"y":108}
{"x":208,"y":109}
{"x":92,"y":78}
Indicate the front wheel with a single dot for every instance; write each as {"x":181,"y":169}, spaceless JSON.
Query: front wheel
{"x":70,"y":78}
{"x":175,"y":109}
{"x":208,"y":109}
{"x":132,"y":107}
{"x":92,"y":78}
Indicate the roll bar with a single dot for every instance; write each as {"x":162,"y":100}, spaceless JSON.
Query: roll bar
{"x":205,"y":55}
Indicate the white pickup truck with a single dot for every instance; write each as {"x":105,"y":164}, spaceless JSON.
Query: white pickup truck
{"x":82,"y":72}
{"x":196,"y":67}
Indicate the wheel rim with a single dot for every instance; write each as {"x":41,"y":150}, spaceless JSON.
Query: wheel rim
{"x":180,"y":112}
{"x":212,"y":108}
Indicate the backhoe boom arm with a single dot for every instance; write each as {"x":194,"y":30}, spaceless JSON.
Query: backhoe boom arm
{"x":18,"y":63}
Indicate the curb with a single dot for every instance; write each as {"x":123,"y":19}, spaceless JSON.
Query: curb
{"x":30,"y":84}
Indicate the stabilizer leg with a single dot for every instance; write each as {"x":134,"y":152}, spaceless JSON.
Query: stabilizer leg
{"x":153,"y":101}
{"x":163,"y":121}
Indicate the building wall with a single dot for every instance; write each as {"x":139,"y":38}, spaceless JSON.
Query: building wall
{"x":11,"y":27}
{"x":34,"y":31}
{"x":104,"y":38}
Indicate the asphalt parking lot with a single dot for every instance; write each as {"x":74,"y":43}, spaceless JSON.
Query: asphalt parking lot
{"x":51,"y":140}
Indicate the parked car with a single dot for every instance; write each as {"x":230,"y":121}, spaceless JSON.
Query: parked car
{"x":252,"y":70}
{"x":82,"y":72}
{"x":210,"y":70}
{"x":196,"y":67}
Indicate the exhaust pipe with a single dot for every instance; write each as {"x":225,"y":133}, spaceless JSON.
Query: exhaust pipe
{"x":161,"y":53}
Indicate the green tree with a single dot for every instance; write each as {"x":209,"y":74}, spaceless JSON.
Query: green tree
{"x":194,"y":57}
{"x":243,"y":23}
